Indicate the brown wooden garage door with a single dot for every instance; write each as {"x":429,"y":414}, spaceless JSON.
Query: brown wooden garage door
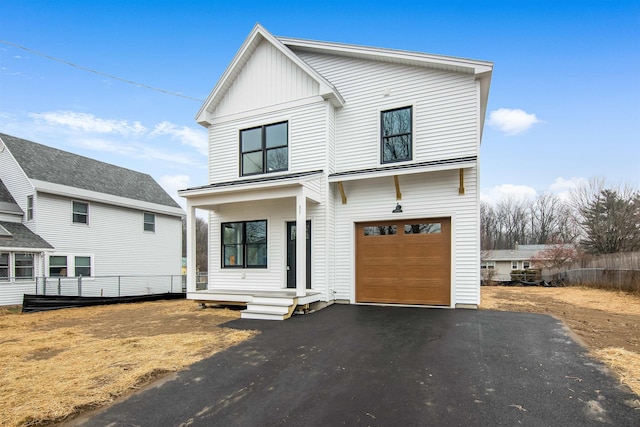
{"x":404,"y":262}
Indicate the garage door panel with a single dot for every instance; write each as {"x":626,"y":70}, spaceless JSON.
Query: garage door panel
{"x":404,"y":268}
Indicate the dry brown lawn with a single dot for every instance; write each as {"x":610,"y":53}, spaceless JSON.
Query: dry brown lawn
{"x":607,"y":322}
{"x":56,"y":364}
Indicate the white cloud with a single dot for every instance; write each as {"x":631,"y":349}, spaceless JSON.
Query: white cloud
{"x":512,"y":122}
{"x":186,"y":135}
{"x":495,"y":194}
{"x":562,"y":187}
{"x":173,"y":183}
{"x":89,"y":123}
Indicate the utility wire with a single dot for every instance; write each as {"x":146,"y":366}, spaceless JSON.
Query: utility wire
{"x":53,"y":58}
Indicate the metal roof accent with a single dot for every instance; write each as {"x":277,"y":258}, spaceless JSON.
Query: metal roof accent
{"x":403,"y":167}
{"x":257,"y":180}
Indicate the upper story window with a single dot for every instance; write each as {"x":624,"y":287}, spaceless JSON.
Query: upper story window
{"x":80,"y":213}
{"x":264,"y":149}
{"x":149,"y":222}
{"x":29,"y":208}
{"x":396,"y":135}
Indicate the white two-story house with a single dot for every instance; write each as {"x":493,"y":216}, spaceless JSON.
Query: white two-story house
{"x":65,"y":216}
{"x":374,"y":152}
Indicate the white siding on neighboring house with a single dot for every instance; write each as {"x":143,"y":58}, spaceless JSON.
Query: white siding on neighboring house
{"x":17,"y":183}
{"x":115,"y":236}
{"x":427,"y":195}
{"x":444,"y":104}
{"x":268,"y":78}
{"x":11,"y":293}
{"x":307,"y":140}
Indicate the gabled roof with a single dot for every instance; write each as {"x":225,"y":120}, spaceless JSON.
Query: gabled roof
{"x":7,"y":202}
{"x":257,"y":35}
{"x":48,"y":164}
{"x":20,"y":237}
{"x":482,"y":70}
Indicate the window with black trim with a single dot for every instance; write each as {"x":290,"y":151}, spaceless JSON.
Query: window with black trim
{"x":264,"y":149}
{"x":244,"y":244}
{"x":80,"y":213}
{"x":149,"y":222}
{"x":395,"y":134}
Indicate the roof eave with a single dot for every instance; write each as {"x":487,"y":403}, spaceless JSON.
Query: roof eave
{"x":259,"y":33}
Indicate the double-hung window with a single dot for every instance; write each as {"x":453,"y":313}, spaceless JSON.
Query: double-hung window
{"x":264,"y":149}
{"x":396,"y":135}
{"x":29,"y":208}
{"x":57,"y":266}
{"x":4,"y":266}
{"x":80,"y":213}
{"x":83,"y":266}
{"x":23,"y":264}
{"x":149,"y":222}
{"x":244,"y":244}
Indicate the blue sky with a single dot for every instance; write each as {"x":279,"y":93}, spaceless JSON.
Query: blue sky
{"x":564,"y":102}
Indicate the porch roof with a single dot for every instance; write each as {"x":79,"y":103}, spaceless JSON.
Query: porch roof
{"x":403,"y":169}
{"x":258,"y":188}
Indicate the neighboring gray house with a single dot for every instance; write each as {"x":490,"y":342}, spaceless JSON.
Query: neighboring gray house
{"x":372,"y":151}
{"x":65,"y":215}
{"x":504,"y":261}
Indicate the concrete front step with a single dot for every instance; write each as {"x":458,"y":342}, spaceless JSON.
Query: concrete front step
{"x":248,"y":314}
{"x":268,"y":308}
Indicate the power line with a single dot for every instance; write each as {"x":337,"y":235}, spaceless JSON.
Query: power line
{"x":53,"y":58}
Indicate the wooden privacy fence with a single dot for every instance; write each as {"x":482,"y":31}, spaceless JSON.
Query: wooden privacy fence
{"x":619,"y":271}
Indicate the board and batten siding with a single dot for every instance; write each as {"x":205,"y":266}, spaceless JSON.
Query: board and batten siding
{"x":274,"y":277}
{"x":115,"y":237}
{"x":445,"y":115}
{"x":18,"y":184}
{"x":307,"y":127}
{"x":268,"y":78}
{"x":425,"y":195}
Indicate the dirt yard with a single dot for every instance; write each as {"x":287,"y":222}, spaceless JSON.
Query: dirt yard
{"x":56,"y":364}
{"x":607,"y":322}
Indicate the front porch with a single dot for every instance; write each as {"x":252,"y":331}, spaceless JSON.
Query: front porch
{"x":265,"y":305}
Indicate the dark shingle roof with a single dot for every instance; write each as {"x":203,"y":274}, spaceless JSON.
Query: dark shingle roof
{"x":21,"y":237}
{"x":7,"y":202}
{"x":61,"y":167}
{"x":5,"y":196}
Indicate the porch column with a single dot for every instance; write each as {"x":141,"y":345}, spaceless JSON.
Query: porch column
{"x":301,"y":243}
{"x":191,"y":247}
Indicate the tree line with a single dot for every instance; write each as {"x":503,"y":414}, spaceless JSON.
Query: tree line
{"x":596,"y":217}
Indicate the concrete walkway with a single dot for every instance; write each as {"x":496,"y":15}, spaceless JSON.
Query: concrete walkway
{"x":389,"y":366}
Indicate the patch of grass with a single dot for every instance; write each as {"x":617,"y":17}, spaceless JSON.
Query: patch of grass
{"x":56,"y":364}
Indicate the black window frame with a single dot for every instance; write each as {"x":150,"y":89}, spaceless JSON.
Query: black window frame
{"x":264,"y":150}
{"x":244,"y":245}
{"x":74,"y":213}
{"x":384,"y":138}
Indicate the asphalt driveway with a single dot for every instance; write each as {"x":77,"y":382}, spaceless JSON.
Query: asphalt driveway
{"x":389,"y":366}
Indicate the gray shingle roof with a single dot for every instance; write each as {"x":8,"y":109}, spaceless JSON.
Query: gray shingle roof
{"x":21,"y":237}
{"x":61,"y":167}
{"x":7,"y":202}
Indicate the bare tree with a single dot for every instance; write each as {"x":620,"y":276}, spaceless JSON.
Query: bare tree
{"x":202,"y":243}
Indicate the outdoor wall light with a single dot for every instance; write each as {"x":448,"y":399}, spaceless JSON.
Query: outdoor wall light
{"x":398,"y":208}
